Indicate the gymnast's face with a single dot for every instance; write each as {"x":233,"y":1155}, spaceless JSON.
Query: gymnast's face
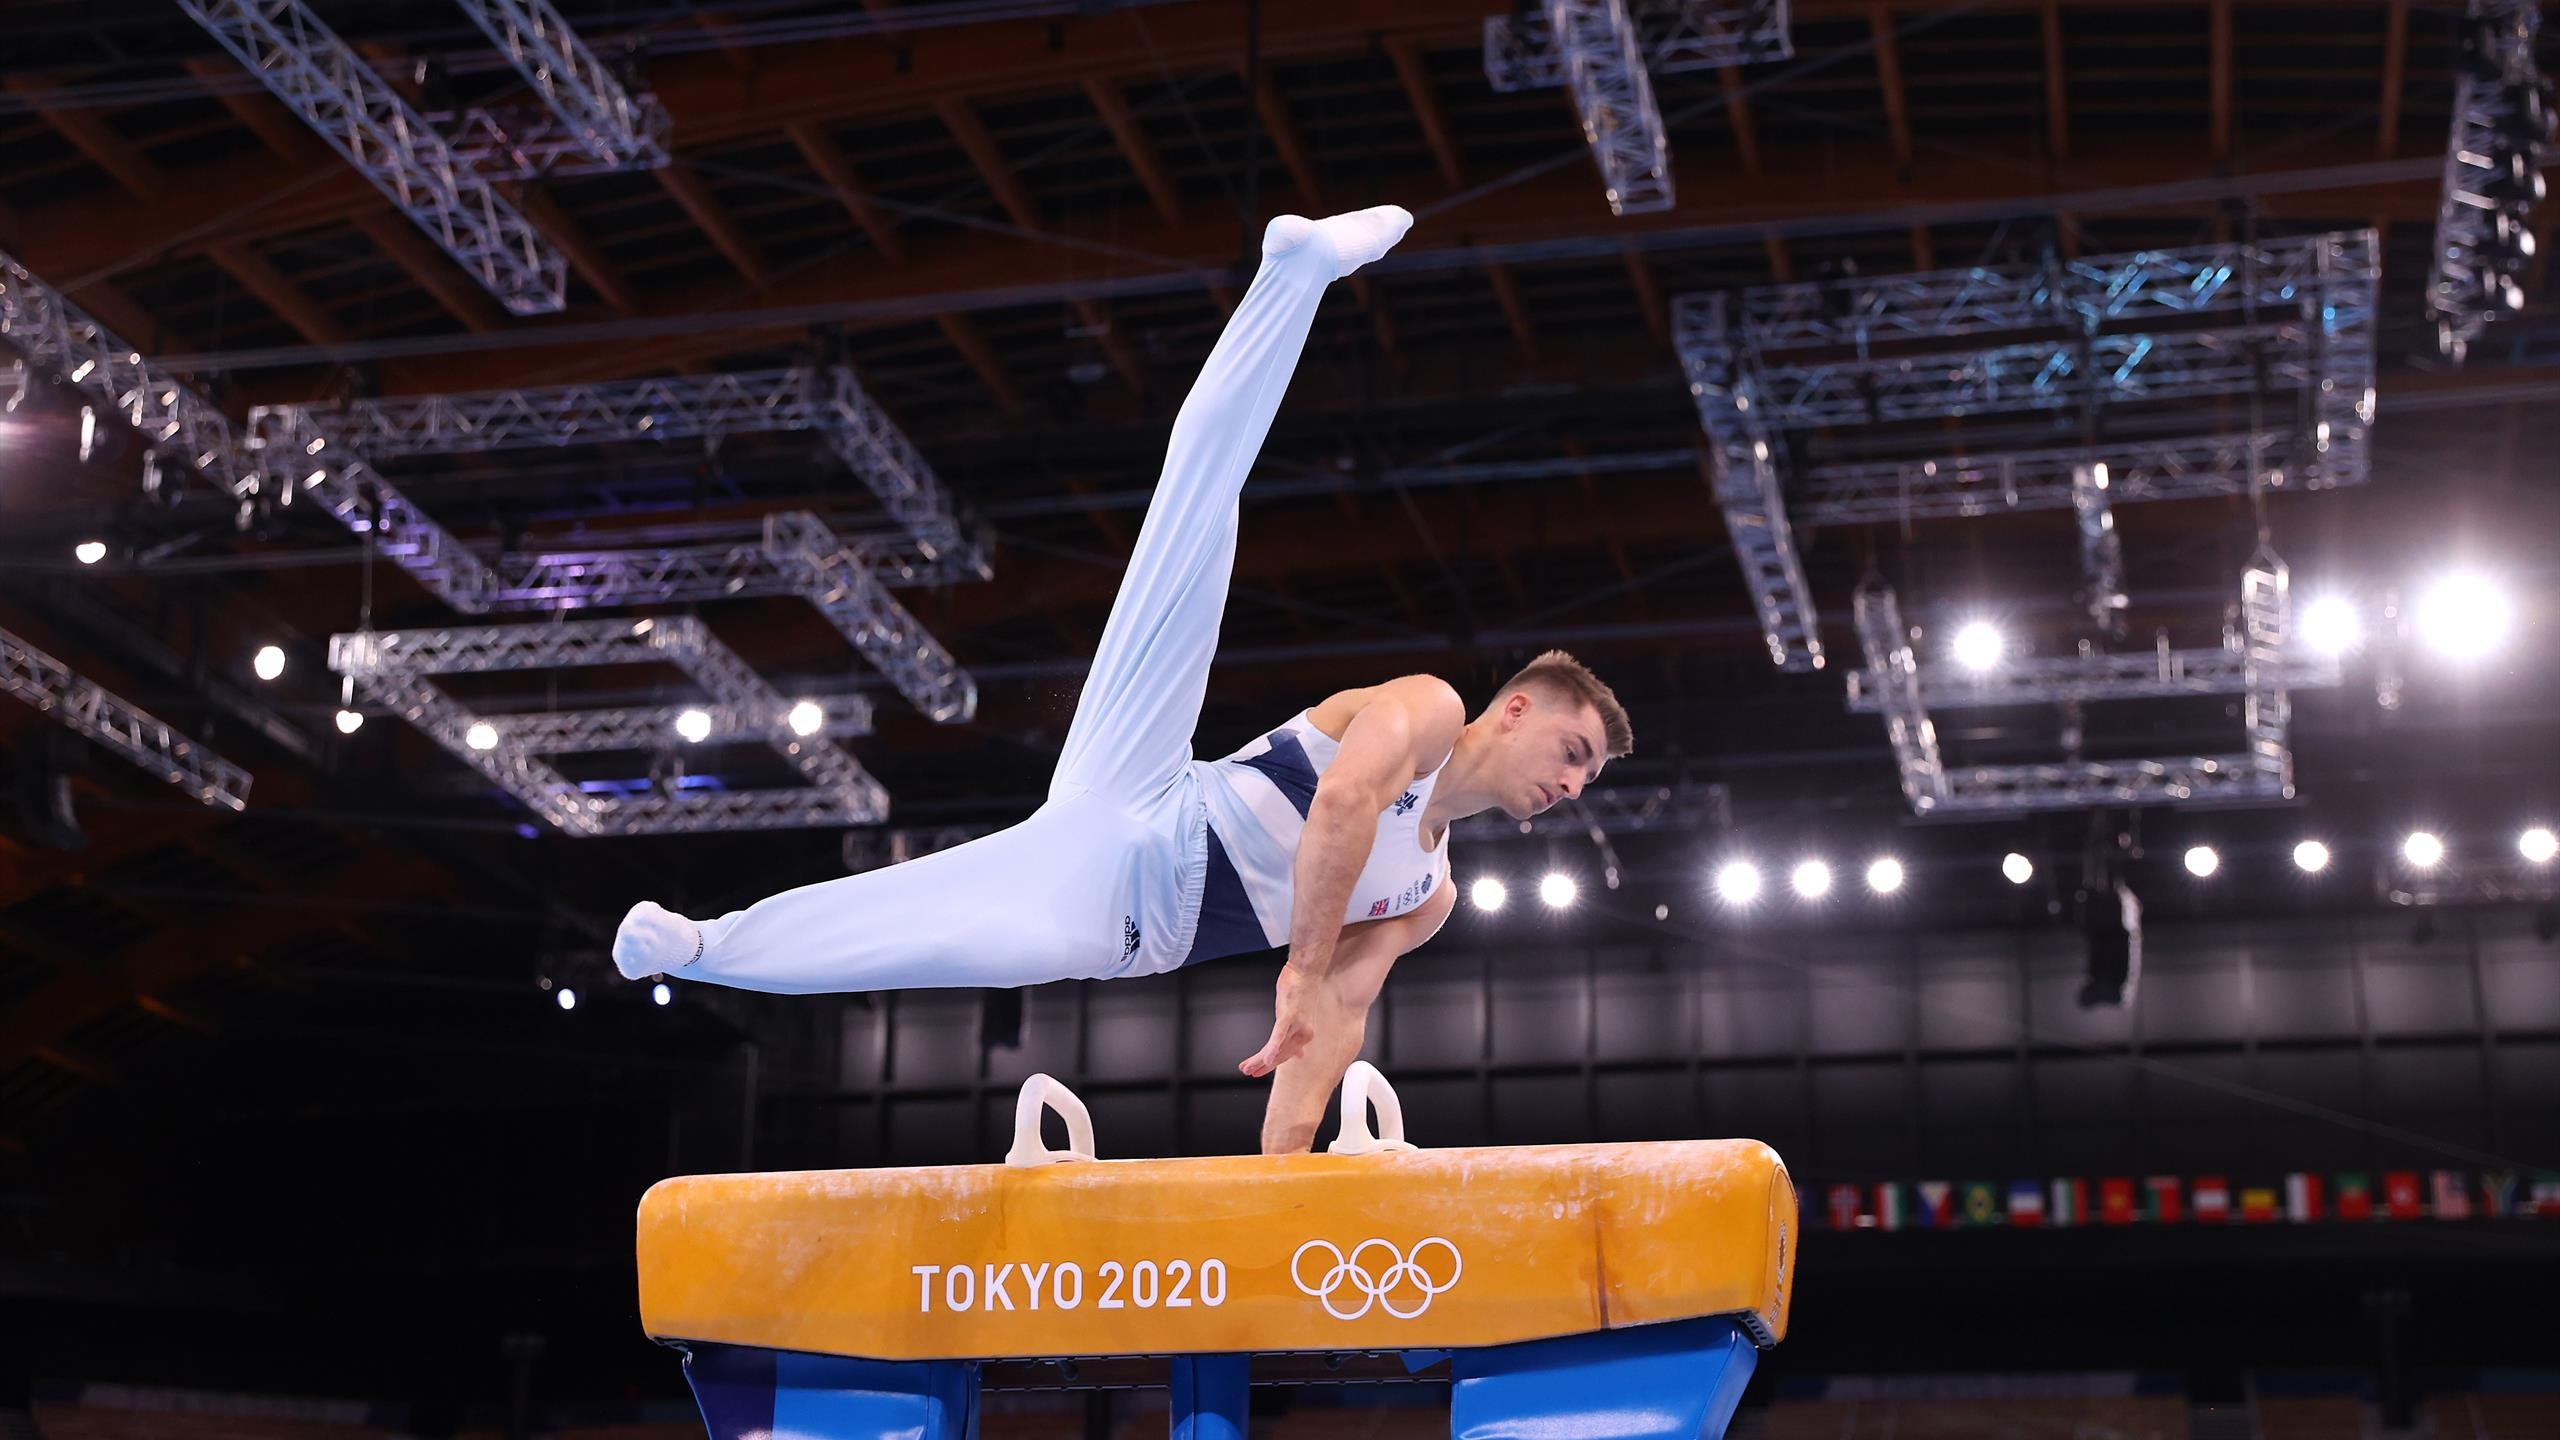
{"x":1551,"y":748}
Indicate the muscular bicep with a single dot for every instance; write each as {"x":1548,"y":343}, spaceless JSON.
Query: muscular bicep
{"x":1407,"y":725}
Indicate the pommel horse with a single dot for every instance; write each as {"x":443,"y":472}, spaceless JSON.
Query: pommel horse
{"x":1577,"y":1292}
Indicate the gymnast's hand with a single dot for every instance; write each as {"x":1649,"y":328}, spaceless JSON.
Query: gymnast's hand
{"x":1298,"y":1008}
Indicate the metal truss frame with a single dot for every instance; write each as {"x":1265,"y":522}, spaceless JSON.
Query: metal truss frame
{"x":2460,"y":296}
{"x":86,"y":708}
{"x":395,"y":670}
{"x":2254,"y":663}
{"x":1604,"y":69}
{"x":297,"y":56}
{"x":1676,"y":36}
{"x":51,"y":333}
{"x":601,"y":125}
{"x":2296,"y":313}
{"x":828,"y":401}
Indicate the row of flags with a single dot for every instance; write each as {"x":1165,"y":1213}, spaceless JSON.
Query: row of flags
{"x":2302,"y":1199}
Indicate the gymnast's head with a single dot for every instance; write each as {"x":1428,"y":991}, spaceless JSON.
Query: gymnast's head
{"x":1553,"y":726}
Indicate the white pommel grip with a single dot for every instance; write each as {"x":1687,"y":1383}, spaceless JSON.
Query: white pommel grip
{"x":1362,"y":1087}
{"x":1038,"y":1092}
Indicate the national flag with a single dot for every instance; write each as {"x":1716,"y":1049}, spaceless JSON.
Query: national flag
{"x":2258,"y":1204}
{"x":2498,"y":1195}
{"x":2546,"y":1196}
{"x":2115,"y":1200}
{"x":2400,"y":1195}
{"x":2355,"y":1197}
{"x":2070,"y":1203}
{"x":2301,"y":1198}
{"x":2167,"y":1207}
{"x":1889,"y":1205}
{"x":1937,"y":1204}
{"x":1981,"y":1203}
{"x":1844,"y":1207}
{"x":2213,"y":1199}
{"x":2452,"y":1195}
{"x":2026,"y":1204}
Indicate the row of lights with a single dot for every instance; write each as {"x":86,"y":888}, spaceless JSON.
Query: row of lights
{"x":566,"y":996}
{"x":693,"y":726}
{"x":1739,"y":883}
{"x":2464,"y":616}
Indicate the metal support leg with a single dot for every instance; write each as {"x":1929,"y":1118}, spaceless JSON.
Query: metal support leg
{"x":1209,"y":1397}
{"x":750,"y":1394}
{"x":1678,"y":1381}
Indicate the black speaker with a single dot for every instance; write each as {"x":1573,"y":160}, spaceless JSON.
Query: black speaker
{"x":2111,"y":924}
{"x":999,"y":1020}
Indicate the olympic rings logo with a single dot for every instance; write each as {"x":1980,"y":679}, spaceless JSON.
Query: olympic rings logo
{"x":1376,"y":1274}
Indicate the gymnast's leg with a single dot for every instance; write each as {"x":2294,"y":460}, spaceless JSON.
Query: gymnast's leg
{"x":1049,"y":898}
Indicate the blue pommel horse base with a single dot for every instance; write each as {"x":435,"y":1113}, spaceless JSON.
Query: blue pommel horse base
{"x":1581,"y":1292}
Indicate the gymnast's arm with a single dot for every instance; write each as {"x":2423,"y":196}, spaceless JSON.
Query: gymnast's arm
{"x":1367,"y":952}
{"x":1403,"y":726}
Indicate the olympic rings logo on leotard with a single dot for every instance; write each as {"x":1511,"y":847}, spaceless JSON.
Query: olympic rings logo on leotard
{"x":1400,"y":1284}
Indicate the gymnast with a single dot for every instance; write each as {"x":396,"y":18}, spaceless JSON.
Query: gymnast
{"x":1327,"y":835}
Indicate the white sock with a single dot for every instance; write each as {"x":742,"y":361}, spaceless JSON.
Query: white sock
{"x":1355,"y":239}
{"x":655,"y":940}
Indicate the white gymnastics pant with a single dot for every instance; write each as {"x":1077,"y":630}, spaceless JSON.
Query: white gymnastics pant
{"x":1104,"y":879}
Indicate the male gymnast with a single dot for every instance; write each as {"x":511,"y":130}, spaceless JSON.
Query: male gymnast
{"x":1328,"y":835}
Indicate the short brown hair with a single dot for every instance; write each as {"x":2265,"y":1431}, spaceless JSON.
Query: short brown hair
{"x":1558,"y":673}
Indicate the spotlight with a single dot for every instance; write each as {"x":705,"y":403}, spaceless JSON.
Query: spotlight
{"x":2330,"y":625}
{"x":662,"y":993}
{"x":2538,"y":845}
{"x":481,"y":736}
{"x":268,"y":663}
{"x":1884,"y":876}
{"x":1738,"y":882}
{"x":1557,"y":889}
{"x":2202,"y":861}
{"x":1489,"y":893}
{"x":694,"y":726}
{"x":567,"y":997}
{"x":2464,"y":616}
{"x":807,"y":718}
{"x":1978,"y":646}
{"x":1811,"y":879}
{"x":89,"y":552}
{"x":350,"y":721}
{"x":2017,"y":868}
{"x":2422,"y":850}
{"x":2310,"y":857}
{"x":1661,"y":912}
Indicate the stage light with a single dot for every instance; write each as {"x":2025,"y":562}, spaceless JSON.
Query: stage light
{"x":1489,"y":893}
{"x":2422,"y":850}
{"x":2202,"y":861}
{"x":694,"y":726}
{"x":1661,"y":912}
{"x":1557,"y":889}
{"x":807,"y":718}
{"x":1978,"y":646}
{"x":2017,"y":868}
{"x":1811,"y":879}
{"x":2538,"y":845}
{"x":2464,"y":616}
{"x":662,"y":993}
{"x":1738,"y":882}
{"x":268,"y":663}
{"x":2310,"y":857}
{"x":2331,"y":626}
{"x":567,"y":997}
{"x":350,"y":721}
{"x":481,"y":736}
{"x":1884,"y":875}
{"x":89,"y":552}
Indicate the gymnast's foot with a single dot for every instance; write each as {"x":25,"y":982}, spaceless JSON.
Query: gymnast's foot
{"x":655,"y":940}
{"x":1355,"y":239}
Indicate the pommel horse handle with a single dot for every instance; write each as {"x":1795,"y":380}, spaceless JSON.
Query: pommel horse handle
{"x":1028,"y":1148}
{"x":1362,"y":1087}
